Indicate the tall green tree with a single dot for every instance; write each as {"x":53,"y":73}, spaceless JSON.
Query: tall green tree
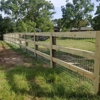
{"x":6,"y":25}
{"x":57,"y":22}
{"x":74,"y":13}
{"x":96,"y":19}
{"x":27,"y":26}
{"x":31,"y":10}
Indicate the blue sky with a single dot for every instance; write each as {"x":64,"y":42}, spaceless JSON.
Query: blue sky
{"x":60,"y":3}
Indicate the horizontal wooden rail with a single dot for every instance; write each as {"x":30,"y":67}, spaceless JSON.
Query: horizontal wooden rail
{"x":82,"y":53}
{"x":78,"y":52}
{"x":22,"y":45}
{"x":38,"y":52}
{"x":43,"y":44}
{"x":39,"y":34}
{"x":13,"y":37}
{"x":22,"y":39}
{"x":30,"y":49}
{"x":43,"y":55}
{"x":87,"y":34}
{"x":28,"y":40}
{"x":74,"y":68}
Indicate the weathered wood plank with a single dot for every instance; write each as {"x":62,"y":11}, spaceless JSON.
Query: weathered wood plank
{"x":87,"y":34}
{"x":30,"y":49}
{"x":78,"y":52}
{"x":97,"y":64}
{"x":74,"y":68}
{"x":39,"y":34}
{"x":43,"y":44}
{"x":43,"y":55}
{"x":43,"y":34}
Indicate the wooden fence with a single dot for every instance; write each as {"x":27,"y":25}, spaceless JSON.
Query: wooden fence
{"x":16,"y":38}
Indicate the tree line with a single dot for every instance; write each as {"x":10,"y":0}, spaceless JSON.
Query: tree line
{"x":26,"y":15}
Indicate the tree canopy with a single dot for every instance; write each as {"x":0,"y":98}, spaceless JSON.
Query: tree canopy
{"x":96,"y":19}
{"x":29,"y":13}
{"x":6,"y":25}
{"x":76,"y":14}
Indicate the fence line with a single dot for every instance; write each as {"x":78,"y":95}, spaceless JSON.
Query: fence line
{"x":94,"y":76}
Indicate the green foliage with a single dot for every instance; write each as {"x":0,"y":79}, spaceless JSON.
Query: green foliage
{"x":6,"y":25}
{"x":58,"y":22}
{"x":27,"y":26}
{"x":96,"y":19}
{"x":36,"y":13}
{"x":21,"y":26}
{"x":96,"y":22}
{"x":76,"y":14}
{"x":30,"y":25}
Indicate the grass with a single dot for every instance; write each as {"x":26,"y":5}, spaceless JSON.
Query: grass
{"x":39,"y":83}
{"x":85,"y":44}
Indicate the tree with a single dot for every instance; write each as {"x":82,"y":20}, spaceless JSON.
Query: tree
{"x":31,"y":10}
{"x":74,"y":14}
{"x":27,"y":26}
{"x":57,"y":22}
{"x":6,"y":25}
{"x":96,"y":22}
{"x":96,"y":19}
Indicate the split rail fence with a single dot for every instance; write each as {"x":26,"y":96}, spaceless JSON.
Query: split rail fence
{"x":17,"y":38}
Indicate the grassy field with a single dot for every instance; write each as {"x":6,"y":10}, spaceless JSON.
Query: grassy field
{"x":39,"y":82}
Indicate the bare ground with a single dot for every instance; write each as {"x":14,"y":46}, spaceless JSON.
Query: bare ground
{"x":11,"y":58}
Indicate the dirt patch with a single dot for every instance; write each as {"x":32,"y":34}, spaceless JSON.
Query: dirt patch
{"x":10,"y":58}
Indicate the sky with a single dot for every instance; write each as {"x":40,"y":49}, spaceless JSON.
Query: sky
{"x":57,"y":4}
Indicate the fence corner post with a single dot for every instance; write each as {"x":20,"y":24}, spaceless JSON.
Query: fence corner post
{"x":96,"y":83}
{"x":52,"y":51}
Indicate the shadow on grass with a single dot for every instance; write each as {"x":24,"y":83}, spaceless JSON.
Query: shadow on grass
{"x":45,"y":82}
{"x":38,"y":81}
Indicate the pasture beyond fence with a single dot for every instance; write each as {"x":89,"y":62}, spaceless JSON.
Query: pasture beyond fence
{"x":23,"y":40}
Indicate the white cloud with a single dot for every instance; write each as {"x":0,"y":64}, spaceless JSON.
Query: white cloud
{"x":59,"y":3}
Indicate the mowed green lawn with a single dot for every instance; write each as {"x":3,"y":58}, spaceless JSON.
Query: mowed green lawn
{"x":39,"y":82}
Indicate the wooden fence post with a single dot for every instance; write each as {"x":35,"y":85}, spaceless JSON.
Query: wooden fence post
{"x":52,"y":51}
{"x":16,"y":39}
{"x":7,"y":38}
{"x":35,"y":46}
{"x":12,"y":38}
{"x":4,"y":37}
{"x":97,"y":64}
{"x":20,"y":41}
{"x":26,"y":43}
